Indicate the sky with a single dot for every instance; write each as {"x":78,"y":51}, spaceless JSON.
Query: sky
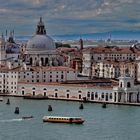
{"x":70,"y":16}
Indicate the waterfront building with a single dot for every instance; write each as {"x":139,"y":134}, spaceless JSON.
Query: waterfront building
{"x":8,"y":81}
{"x":98,"y":90}
{"x":39,"y":69}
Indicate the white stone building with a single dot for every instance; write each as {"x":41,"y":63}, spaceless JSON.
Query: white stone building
{"x":47,"y":74}
{"x":99,"y":90}
{"x":8,"y":81}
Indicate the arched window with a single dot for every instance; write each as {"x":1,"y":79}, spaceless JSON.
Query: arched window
{"x":110,"y":95}
{"x":22,"y":92}
{"x":128,"y":84}
{"x":31,"y":61}
{"x":45,"y":91}
{"x":102,"y":95}
{"x":88,"y":94}
{"x":46,"y":61}
{"x":92,"y":96}
{"x":42,"y":61}
{"x":121,"y":84}
{"x":80,"y":96}
{"x":96,"y":95}
{"x":33,"y":88}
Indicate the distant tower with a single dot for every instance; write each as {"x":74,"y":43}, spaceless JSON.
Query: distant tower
{"x":2,"y":50}
{"x":81,"y":44}
{"x":11,"y":38}
{"x":40,"y":28}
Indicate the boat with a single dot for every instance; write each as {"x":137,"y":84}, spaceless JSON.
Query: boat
{"x":1,"y":99}
{"x":27,"y":117}
{"x":59,"y":119}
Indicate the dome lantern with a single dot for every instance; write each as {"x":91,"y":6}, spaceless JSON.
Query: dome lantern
{"x":40,"y":28}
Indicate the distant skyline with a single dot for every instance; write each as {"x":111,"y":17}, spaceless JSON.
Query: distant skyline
{"x":70,"y":16}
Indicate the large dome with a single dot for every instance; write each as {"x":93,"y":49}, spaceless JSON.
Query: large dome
{"x":40,"y":42}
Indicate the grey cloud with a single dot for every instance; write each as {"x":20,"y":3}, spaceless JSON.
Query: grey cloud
{"x":70,"y":16}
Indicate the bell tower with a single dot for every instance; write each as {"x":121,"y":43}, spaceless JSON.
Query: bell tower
{"x":40,"y":28}
{"x":2,"y":50}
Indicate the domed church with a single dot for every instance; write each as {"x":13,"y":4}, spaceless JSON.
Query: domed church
{"x":41,"y":50}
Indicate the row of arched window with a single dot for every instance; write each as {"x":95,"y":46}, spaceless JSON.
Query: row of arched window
{"x":92,"y":95}
{"x":44,"y":61}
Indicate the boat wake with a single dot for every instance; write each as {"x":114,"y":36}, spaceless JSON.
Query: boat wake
{"x":12,"y":120}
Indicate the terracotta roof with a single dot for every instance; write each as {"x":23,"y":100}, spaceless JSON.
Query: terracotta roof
{"x":111,"y":50}
{"x":114,"y":83}
{"x":58,"y":68}
{"x":116,"y":62}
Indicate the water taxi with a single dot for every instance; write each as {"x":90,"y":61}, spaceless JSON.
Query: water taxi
{"x":58,"y":119}
{"x":27,"y":117}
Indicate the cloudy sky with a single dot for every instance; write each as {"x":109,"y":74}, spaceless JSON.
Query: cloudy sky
{"x":70,"y":16}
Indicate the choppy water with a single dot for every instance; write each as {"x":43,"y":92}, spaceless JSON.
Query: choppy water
{"x":112,"y":123}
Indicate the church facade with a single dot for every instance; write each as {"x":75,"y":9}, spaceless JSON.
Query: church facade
{"x":40,"y":50}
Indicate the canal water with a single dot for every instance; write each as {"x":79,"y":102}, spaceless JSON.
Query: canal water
{"x":111,"y":123}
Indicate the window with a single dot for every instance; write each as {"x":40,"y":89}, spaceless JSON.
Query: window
{"x":121,"y":84}
{"x":102,"y":95}
{"x":88,"y":94}
{"x":96,"y":95}
{"x":33,"y":93}
{"x":56,"y":95}
{"x":128,"y":85}
{"x":67,"y":95}
{"x":62,"y":76}
{"x":92,"y":96}
{"x":22,"y":92}
{"x":79,"y":96}
{"x":110,"y":95}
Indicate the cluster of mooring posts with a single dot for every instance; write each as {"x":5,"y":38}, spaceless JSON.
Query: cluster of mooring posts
{"x":49,"y":107}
